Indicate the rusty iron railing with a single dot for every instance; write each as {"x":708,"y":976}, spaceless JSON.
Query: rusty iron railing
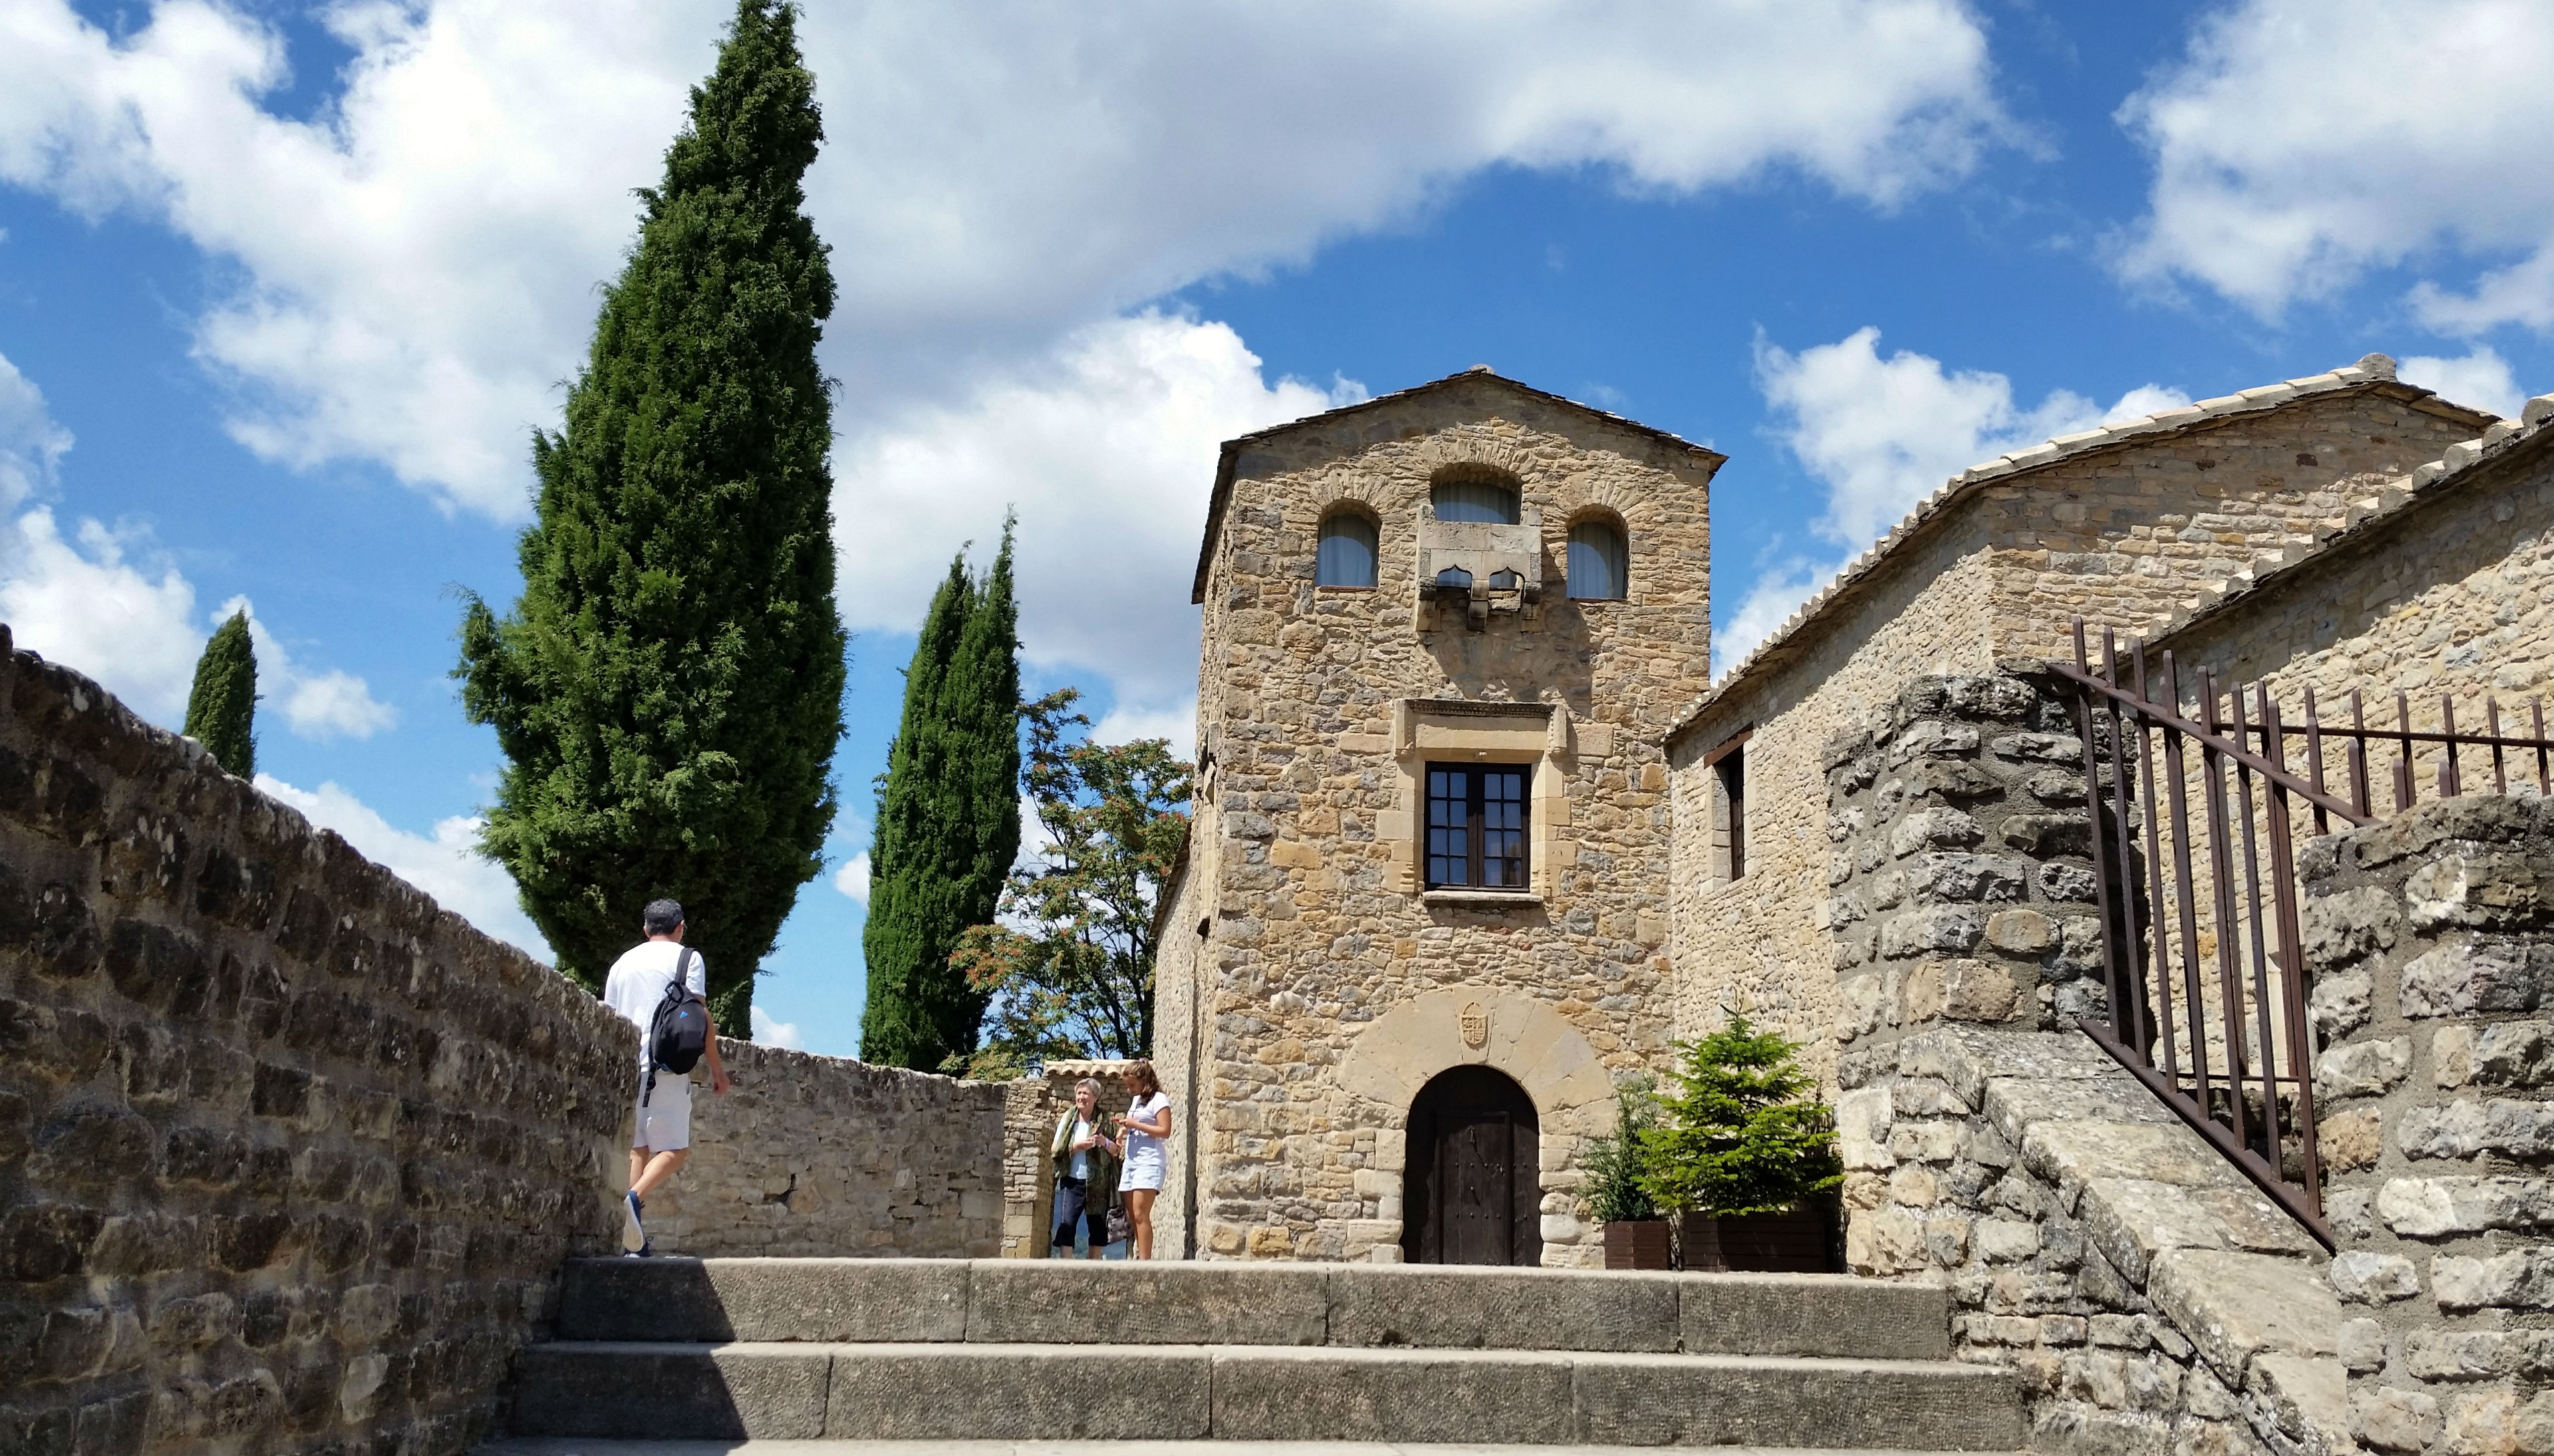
{"x":2206,"y":978}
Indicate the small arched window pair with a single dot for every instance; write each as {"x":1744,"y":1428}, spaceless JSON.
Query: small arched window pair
{"x":1345,"y":555}
{"x":1600,"y":567}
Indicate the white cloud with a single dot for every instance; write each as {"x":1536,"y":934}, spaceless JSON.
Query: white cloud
{"x":320,"y":706}
{"x":853,"y":878}
{"x":2300,"y":143}
{"x":130,"y":624}
{"x":417,"y":261}
{"x":2481,"y":379}
{"x":1882,"y":434}
{"x":444,"y":864}
{"x":1779,"y":589}
{"x":770,"y":1031}
{"x":79,"y":599}
{"x":1107,"y":449}
{"x":1127,"y":721}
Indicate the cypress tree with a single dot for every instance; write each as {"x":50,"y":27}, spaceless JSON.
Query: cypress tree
{"x":221,"y":710}
{"x":667,"y":690}
{"x":948,"y":821}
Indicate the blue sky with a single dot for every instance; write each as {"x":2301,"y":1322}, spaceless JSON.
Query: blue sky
{"x":284,"y":288}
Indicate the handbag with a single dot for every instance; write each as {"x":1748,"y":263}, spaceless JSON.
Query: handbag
{"x":1120,"y":1227}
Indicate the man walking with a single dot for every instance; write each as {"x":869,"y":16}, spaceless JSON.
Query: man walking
{"x":635,"y":988}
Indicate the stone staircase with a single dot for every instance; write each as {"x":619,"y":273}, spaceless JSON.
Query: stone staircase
{"x":927,"y":1349}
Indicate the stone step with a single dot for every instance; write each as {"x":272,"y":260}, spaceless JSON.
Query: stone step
{"x":591,"y":1447}
{"x":1117,"y":1302}
{"x":954,"y":1391}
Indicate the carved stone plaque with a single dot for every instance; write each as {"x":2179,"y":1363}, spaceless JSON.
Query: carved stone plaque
{"x":1476,"y":1025}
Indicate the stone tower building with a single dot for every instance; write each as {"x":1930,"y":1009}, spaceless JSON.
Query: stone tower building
{"x":1424,"y":917}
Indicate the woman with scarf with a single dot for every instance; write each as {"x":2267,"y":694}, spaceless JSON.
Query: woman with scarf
{"x":1085,"y":1158}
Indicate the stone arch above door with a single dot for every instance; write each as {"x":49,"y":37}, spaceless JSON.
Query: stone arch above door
{"x":1396,"y":1056}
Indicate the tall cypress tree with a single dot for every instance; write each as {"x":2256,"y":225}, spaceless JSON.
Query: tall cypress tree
{"x":221,"y":711}
{"x":669,"y":688}
{"x":948,"y":821}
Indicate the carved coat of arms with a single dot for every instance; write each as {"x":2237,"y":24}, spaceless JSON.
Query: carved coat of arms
{"x":1475,"y":1024}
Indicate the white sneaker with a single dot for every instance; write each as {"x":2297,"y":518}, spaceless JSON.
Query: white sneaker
{"x":632,"y":1237}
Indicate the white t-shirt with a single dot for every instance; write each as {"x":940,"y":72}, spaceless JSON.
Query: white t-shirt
{"x":1080,"y":1160}
{"x":638,"y":980}
{"x":1143,"y":1150}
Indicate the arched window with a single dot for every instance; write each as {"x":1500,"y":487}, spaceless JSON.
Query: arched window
{"x":1345,"y":556}
{"x":1600,"y":567}
{"x":1471,"y":498}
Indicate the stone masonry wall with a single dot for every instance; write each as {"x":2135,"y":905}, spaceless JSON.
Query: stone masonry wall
{"x":1959,"y":881}
{"x":1318,"y":932}
{"x":2122,"y":535}
{"x":2123,"y":538}
{"x":288,"y":1156}
{"x":2432,"y":937}
{"x":2449,"y":588}
{"x":2151,"y":1297}
{"x":829,"y":1157}
{"x":1032,"y":1107}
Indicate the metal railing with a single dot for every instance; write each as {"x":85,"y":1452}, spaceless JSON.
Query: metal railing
{"x":2206,"y":981}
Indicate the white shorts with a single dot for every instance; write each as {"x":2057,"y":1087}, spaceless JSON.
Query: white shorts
{"x":665,"y":1123}
{"x":1141,"y":1173}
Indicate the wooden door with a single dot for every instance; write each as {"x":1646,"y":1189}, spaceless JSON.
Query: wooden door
{"x":1472,"y":1191}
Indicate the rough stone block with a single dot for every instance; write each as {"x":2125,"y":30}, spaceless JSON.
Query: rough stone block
{"x":2466,"y":976}
{"x":1437,"y":1396}
{"x":2365,"y":1277}
{"x":2233,"y":1306}
{"x":1444,"y":1307}
{"x":1165,"y":1304}
{"x":972,"y":1392}
{"x":1705,"y":1400}
{"x":676,"y":1298}
{"x":2522,"y":1279}
{"x":2363,"y":1069}
{"x":1813,"y":1314}
{"x":672,"y":1391}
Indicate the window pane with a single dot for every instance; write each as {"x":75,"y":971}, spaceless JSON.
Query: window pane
{"x":1474,"y":500}
{"x":1600,"y":567}
{"x":1345,"y":557}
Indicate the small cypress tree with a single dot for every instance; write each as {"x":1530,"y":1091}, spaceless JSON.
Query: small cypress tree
{"x":221,"y":711}
{"x":1743,"y":1133}
{"x":669,"y":688}
{"x":948,"y":821}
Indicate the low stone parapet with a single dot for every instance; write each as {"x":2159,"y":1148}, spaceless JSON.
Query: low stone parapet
{"x":2151,"y":1299}
{"x":2432,"y":938}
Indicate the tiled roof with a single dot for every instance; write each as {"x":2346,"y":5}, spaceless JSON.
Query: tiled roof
{"x":2533,"y":429}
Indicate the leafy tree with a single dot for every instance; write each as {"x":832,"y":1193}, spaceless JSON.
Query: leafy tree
{"x":1614,"y":1164}
{"x":669,"y":688}
{"x":1744,"y":1131}
{"x":221,"y":711}
{"x":948,"y":821}
{"x":1071,"y":972}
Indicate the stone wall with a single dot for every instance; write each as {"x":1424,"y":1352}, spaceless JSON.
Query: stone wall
{"x":2442,"y":587}
{"x":288,"y":1156}
{"x":2121,"y":532}
{"x":1033,"y":1107}
{"x":2433,"y":941}
{"x":2149,"y":1298}
{"x":1959,"y":881}
{"x":1319,"y":710}
{"x":824,"y":1156}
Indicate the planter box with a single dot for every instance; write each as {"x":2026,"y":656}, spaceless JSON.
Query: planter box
{"x":1639,"y":1244}
{"x":1802,"y":1239}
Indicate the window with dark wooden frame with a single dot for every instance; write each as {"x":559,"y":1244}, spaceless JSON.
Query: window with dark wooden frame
{"x":1477,"y":819}
{"x":1728,"y":765}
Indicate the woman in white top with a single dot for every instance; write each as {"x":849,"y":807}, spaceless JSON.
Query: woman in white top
{"x":1147,"y":1124}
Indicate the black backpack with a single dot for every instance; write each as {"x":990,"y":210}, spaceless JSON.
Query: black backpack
{"x":679,"y":1033}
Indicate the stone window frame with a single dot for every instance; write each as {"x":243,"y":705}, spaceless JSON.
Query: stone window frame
{"x":1478,"y":800}
{"x":1605,"y":516}
{"x":1447,"y":730}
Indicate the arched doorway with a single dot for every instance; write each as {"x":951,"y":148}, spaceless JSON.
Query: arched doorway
{"x":1472,"y":1191}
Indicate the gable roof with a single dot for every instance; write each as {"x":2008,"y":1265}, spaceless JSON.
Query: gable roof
{"x":2531,"y":434}
{"x":1479,"y":373}
{"x":2373,"y":373}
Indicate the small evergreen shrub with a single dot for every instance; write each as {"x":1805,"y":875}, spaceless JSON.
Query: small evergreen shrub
{"x":1743,"y":1132}
{"x":1614,"y":1164}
